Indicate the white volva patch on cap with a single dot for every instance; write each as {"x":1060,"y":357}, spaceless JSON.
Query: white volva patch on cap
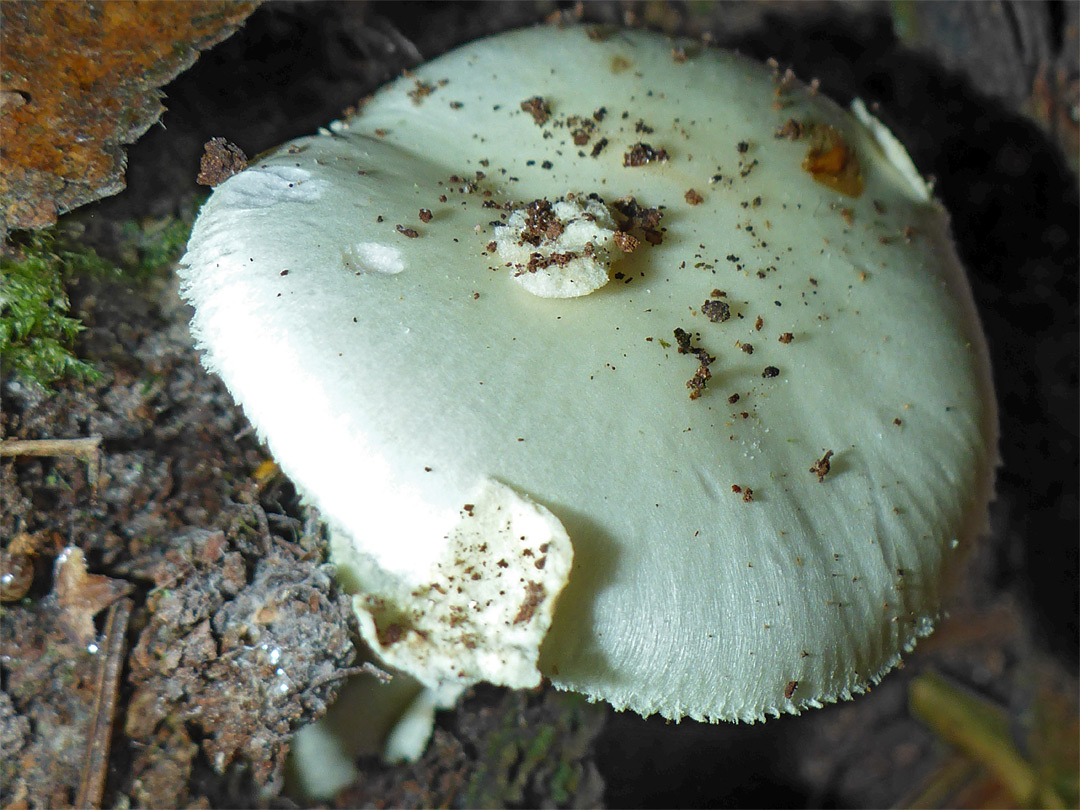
{"x":569,"y":256}
{"x":487,"y":603}
{"x":265,"y":186}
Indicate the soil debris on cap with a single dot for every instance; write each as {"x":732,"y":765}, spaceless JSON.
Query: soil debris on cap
{"x":537,"y":108}
{"x":821,"y":467}
{"x":641,"y":153}
{"x":700,"y":380}
{"x":716,"y":311}
{"x":220,"y":161}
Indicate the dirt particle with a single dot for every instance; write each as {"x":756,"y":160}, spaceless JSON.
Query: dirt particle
{"x":716,"y":311}
{"x":534,"y":596}
{"x":693,"y":197}
{"x":791,"y":129}
{"x":821,"y":467}
{"x":409,"y":232}
{"x":746,"y":493}
{"x":391,"y":634}
{"x":538,"y":109}
{"x":425,"y":215}
{"x":746,"y":168}
{"x":420,"y":91}
{"x":220,"y":161}
{"x":636,"y":216}
{"x":701,"y":377}
{"x":641,"y":153}
{"x":770,"y":371}
{"x":625,"y":242}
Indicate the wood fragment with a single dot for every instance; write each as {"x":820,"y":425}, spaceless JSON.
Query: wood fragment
{"x":96,"y":764}
{"x":87,"y":449}
{"x":77,"y":448}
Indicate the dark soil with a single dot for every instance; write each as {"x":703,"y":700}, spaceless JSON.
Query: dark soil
{"x":236,"y":634}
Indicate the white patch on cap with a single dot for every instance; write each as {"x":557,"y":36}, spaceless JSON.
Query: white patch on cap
{"x":487,"y":604}
{"x":262,"y":187}
{"x":371,"y":257}
{"x":893,"y":150}
{"x":573,"y":255}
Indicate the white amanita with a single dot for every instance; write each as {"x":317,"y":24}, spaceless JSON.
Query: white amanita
{"x":769,"y":280}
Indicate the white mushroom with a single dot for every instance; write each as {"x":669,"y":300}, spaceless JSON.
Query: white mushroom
{"x":752,"y":456}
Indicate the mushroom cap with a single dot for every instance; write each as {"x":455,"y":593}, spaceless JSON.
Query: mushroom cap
{"x":724,"y":565}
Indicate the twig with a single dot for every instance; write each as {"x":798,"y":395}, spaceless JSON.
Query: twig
{"x":980,"y":729}
{"x":96,"y":765}
{"x":87,"y":449}
{"x":79,"y":448}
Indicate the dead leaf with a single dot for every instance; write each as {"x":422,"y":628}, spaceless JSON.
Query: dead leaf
{"x":82,"y":595}
{"x":80,"y":80}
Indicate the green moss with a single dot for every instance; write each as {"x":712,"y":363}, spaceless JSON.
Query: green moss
{"x":148,"y":245}
{"x":536,"y":753}
{"x":564,"y":783}
{"x":36,"y":332}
